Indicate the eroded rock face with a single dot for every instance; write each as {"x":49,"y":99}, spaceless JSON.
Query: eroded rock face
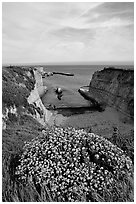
{"x":115,"y":87}
{"x":38,"y":91}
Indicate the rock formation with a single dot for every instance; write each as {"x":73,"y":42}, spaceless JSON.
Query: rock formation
{"x":35,"y":97}
{"x":115,"y":87}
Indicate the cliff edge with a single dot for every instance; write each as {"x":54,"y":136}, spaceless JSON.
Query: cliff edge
{"x":35,"y":97}
{"x":114,"y":87}
{"x":22,"y":88}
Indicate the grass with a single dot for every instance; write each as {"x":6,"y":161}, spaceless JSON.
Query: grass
{"x":126,"y":143}
{"x":13,"y":139}
{"x":12,"y":92}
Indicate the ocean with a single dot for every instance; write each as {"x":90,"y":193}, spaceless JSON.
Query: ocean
{"x":69,"y":84}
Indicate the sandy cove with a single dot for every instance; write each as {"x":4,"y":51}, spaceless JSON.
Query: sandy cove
{"x":101,"y":123}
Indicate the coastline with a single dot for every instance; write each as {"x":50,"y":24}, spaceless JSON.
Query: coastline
{"x":100,"y":123}
{"x":73,"y":110}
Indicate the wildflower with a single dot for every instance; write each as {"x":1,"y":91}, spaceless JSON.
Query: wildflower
{"x":59,"y":160}
{"x":97,"y":156}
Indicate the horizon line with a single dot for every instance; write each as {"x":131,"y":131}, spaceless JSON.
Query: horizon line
{"x":73,"y":63}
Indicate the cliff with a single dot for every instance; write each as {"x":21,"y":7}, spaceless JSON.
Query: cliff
{"x":21,"y":94}
{"x":114,"y":87}
{"x":35,"y":97}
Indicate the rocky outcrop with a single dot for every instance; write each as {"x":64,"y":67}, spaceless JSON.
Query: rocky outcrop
{"x":114,"y":87}
{"x":35,"y":97}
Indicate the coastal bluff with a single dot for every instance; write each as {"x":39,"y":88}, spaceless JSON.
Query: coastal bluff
{"x":114,"y":87}
{"x":36,"y":94}
{"x":22,"y":89}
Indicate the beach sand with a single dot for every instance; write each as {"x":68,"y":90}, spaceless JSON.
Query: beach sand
{"x":100,"y":123}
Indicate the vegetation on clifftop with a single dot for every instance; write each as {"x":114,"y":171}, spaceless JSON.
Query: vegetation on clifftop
{"x":73,"y":164}
{"x":16,"y":86}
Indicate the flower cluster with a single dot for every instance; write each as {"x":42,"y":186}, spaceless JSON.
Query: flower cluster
{"x":72,"y":162}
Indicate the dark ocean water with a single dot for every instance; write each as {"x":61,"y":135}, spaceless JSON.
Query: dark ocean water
{"x":70,"y":84}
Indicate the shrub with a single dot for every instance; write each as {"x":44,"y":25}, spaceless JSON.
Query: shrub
{"x":73,"y":164}
{"x":12,"y":93}
{"x":12,"y":117}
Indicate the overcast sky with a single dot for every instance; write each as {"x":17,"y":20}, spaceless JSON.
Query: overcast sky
{"x":67,"y":32}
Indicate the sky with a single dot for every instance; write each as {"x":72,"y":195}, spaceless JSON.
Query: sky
{"x":67,"y":32}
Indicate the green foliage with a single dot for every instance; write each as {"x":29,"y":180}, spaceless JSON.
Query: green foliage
{"x":126,"y":143}
{"x":73,"y":162}
{"x":13,"y":139}
{"x":12,"y":117}
{"x":12,"y":92}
